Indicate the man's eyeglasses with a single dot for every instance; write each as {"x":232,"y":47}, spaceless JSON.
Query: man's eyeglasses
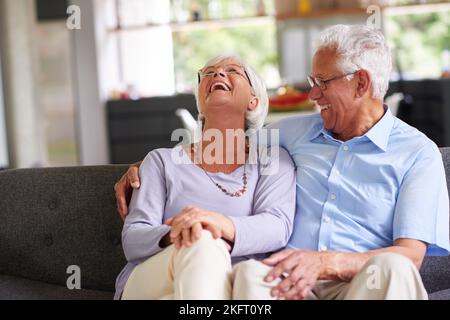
{"x":227,"y":69}
{"x":322,"y":84}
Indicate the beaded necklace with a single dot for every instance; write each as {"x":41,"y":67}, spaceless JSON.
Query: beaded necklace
{"x":238,"y":193}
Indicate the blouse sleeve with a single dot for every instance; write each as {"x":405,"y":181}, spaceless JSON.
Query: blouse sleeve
{"x":144,"y":228}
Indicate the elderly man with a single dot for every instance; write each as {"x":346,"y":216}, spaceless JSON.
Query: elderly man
{"x":371,"y":192}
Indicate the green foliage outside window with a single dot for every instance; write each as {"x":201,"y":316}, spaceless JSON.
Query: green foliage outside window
{"x":418,"y":42}
{"x":255,"y":44}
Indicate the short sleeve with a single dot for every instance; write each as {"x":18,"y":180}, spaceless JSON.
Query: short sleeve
{"x":422,"y":209}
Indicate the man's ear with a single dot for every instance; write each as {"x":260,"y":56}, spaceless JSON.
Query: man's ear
{"x":364,"y":83}
{"x":253,"y":103}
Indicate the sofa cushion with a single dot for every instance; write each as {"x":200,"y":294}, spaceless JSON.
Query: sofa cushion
{"x":53,"y":218}
{"x":440,"y":295}
{"x":435,"y":272}
{"x":15,"y":288}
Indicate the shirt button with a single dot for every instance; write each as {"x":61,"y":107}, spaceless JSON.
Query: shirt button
{"x":346,"y":148}
{"x":323,"y":248}
{"x":333,"y":197}
{"x":327,"y":219}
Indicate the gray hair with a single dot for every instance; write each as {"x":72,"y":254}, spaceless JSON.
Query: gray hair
{"x":255,"y":118}
{"x":360,"y":47}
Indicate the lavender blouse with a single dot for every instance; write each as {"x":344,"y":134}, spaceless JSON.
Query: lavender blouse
{"x":262,"y":216}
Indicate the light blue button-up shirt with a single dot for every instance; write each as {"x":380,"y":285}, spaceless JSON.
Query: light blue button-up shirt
{"x":365,"y":193}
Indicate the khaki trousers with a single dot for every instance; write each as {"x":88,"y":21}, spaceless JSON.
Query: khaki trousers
{"x":387,"y":276}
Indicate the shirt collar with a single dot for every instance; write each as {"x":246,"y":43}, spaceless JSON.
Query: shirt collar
{"x":378,"y":134}
{"x":318,"y":130}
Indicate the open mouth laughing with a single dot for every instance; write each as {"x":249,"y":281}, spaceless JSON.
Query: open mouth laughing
{"x":219,"y":85}
{"x":325,"y":107}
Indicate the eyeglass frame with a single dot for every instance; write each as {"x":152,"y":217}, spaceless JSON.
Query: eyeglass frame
{"x":245,"y":75}
{"x":313,"y":82}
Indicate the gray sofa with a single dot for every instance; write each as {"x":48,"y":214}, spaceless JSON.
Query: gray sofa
{"x":54,"y":218}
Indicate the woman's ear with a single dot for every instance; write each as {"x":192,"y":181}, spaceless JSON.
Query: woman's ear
{"x":253,"y":103}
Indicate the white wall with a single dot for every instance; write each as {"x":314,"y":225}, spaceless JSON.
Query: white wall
{"x":146,"y":54}
{"x":107,"y":48}
{"x":54,"y":87}
{"x":4,"y":163}
{"x":23,"y":120}
{"x":91,"y":113}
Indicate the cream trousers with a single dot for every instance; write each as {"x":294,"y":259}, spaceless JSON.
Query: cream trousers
{"x":204,"y":272}
{"x":200,"y":272}
{"x":387,"y":276}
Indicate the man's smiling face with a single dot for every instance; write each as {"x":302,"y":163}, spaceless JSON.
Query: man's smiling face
{"x":336,"y":102}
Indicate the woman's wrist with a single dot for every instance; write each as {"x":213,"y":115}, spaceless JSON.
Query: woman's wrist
{"x":229,"y":231}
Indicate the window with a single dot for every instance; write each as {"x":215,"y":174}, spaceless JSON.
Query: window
{"x":55,"y":93}
{"x":146,"y":60}
{"x":420,"y":38}
{"x":255,"y":44}
{"x":160,"y":54}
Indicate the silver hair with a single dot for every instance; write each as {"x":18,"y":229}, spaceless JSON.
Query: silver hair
{"x":255,"y":118}
{"x":360,"y":47}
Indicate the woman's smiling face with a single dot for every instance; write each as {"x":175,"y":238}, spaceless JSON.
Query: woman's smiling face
{"x":224,"y":88}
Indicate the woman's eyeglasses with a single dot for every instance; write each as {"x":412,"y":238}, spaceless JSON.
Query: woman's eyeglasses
{"x":228,"y":69}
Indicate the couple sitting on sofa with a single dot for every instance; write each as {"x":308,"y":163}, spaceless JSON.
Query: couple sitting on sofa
{"x":369,"y":192}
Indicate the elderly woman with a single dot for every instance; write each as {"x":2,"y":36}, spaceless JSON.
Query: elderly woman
{"x":191,"y":222}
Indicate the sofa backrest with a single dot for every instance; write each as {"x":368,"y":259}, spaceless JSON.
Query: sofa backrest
{"x":52,"y":218}
{"x":435,"y":271}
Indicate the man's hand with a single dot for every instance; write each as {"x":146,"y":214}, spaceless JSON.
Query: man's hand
{"x":187,"y":226}
{"x":124,"y":188}
{"x":299,"y":270}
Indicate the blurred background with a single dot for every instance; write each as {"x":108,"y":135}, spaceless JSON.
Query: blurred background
{"x":113,"y":85}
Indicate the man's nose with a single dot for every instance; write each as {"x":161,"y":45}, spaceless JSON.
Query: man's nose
{"x":315,"y":93}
